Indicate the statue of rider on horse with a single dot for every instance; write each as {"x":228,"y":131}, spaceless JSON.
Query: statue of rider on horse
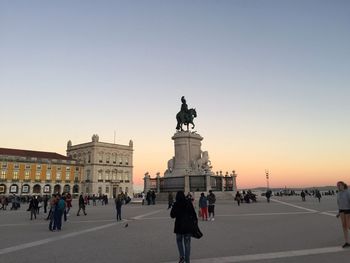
{"x":185,"y":116}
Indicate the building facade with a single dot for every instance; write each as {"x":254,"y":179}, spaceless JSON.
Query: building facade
{"x":108,"y":167}
{"x":25,"y":172}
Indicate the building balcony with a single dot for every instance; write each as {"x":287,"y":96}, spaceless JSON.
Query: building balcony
{"x":15,"y":180}
{"x":67,"y":181}
{"x":100,"y":180}
{"x":27,"y":180}
{"x":87,"y":181}
{"x":115,"y":181}
{"x":47,"y":181}
{"x":3,"y":180}
{"x":107,"y":181}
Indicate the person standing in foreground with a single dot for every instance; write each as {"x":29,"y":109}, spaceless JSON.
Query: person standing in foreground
{"x":211,"y":205}
{"x":343,"y":200}
{"x":118,"y":205}
{"x":203,"y":206}
{"x":185,"y":215}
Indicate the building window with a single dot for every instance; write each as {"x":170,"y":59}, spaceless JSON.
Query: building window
{"x":3,"y":175}
{"x":67,"y":176}
{"x":48,"y":175}
{"x":126,"y":160}
{"x":27,"y":166}
{"x":107,"y":175}
{"x":15,"y":175}
{"x":37,"y":176}
{"x":58,"y":176}
{"x":4,"y":165}
{"x":114,"y":175}
{"x":100,"y":190}
{"x":114,"y":157}
{"x":26,"y":175}
{"x":100,"y":157}
{"x":38,"y":167}
{"x":120,"y":160}
{"x":59,"y":168}
{"x":16,"y":166}
{"x":67,"y":169}
{"x":77,"y":169}
{"x":126,"y":189}
{"x":49,"y":167}
{"x":89,"y":157}
{"x":88,"y":175}
{"x":107,"y":189}
{"x":99,"y":175}
{"x":108,"y":157}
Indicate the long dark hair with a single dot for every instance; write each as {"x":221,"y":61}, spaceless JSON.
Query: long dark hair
{"x":180,"y":197}
{"x":344,"y":184}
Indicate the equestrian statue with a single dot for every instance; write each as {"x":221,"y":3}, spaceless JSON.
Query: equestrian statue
{"x":185,"y":116}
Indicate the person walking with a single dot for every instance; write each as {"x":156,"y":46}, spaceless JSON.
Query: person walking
{"x":302,"y":194}
{"x":211,"y":206}
{"x":185,"y":216}
{"x":268,"y":195}
{"x":318,"y":195}
{"x":203,"y":206}
{"x":238,"y":198}
{"x":68,"y":203}
{"x":343,"y":201}
{"x":59,"y":210}
{"x":81,"y":205}
{"x":32,"y":208}
{"x":51,"y":217}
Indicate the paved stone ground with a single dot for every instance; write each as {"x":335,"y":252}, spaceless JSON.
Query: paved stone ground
{"x":285,"y":230}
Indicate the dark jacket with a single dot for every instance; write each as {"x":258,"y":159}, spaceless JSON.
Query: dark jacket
{"x":185,"y":217}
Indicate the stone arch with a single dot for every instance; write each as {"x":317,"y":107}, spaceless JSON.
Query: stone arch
{"x":2,"y":188}
{"x":57,"y":189}
{"x":37,"y":189}
{"x":75,"y":189}
{"x":66,"y":188}
{"x":25,"y":189}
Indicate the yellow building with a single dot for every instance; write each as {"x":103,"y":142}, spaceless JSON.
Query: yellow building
{"x":24,"y":172}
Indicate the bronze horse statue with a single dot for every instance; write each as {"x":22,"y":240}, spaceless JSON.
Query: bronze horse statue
{"x":186,"y":119}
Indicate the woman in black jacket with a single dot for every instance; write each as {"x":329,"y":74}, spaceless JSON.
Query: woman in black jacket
{"x":185,"y":218}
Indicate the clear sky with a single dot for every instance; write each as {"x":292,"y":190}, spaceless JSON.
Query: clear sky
{"x":270,"y":81}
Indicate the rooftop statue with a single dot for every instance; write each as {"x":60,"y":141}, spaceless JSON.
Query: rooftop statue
{"x":185,"y":116}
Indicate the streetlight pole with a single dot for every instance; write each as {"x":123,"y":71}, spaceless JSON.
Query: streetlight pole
{"x":267,"y":179}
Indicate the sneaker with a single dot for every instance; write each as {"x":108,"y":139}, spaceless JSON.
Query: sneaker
{"x":182,"y":260}
{"x":346,"y":245}
{"x":213,"y":219}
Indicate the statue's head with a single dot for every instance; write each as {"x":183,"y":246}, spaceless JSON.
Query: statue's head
{"x":183,"y":100}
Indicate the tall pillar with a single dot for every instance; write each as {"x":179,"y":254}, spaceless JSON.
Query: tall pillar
{"x":187,"y":150}
{"x":146,"y":185}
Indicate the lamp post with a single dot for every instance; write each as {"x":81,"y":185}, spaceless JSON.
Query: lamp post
{"x":267,"y":178}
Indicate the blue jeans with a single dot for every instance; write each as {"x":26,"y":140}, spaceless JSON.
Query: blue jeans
{"x":119,"y":212}
{"x":184,"y":246}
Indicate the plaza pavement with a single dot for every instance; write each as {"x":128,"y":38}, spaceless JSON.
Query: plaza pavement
{"x":285,"y":230}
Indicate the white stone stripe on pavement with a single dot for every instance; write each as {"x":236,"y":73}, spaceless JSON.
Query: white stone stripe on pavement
{"x":292,"y":205}
{"x":148,"y":214}
{"x":304,"y":208}
{"x":60,"y":237}
{"x":52,"y":239}
{"x":273,"y":255}
{"x":239,"y":215}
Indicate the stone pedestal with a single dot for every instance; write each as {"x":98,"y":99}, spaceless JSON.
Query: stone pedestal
{"x":187,"y":150}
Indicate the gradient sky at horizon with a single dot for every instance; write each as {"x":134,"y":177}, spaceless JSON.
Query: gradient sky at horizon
{"x":270,"y":81}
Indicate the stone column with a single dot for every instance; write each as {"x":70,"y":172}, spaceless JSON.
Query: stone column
{"x":158,"y":182}
{"x":234,"y":183}
{"x":208,"y":182}
{"x":187,"y":183}
{"x":146,"y":185}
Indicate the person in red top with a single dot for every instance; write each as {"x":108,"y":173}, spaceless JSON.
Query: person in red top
{"x":68,"y":203}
